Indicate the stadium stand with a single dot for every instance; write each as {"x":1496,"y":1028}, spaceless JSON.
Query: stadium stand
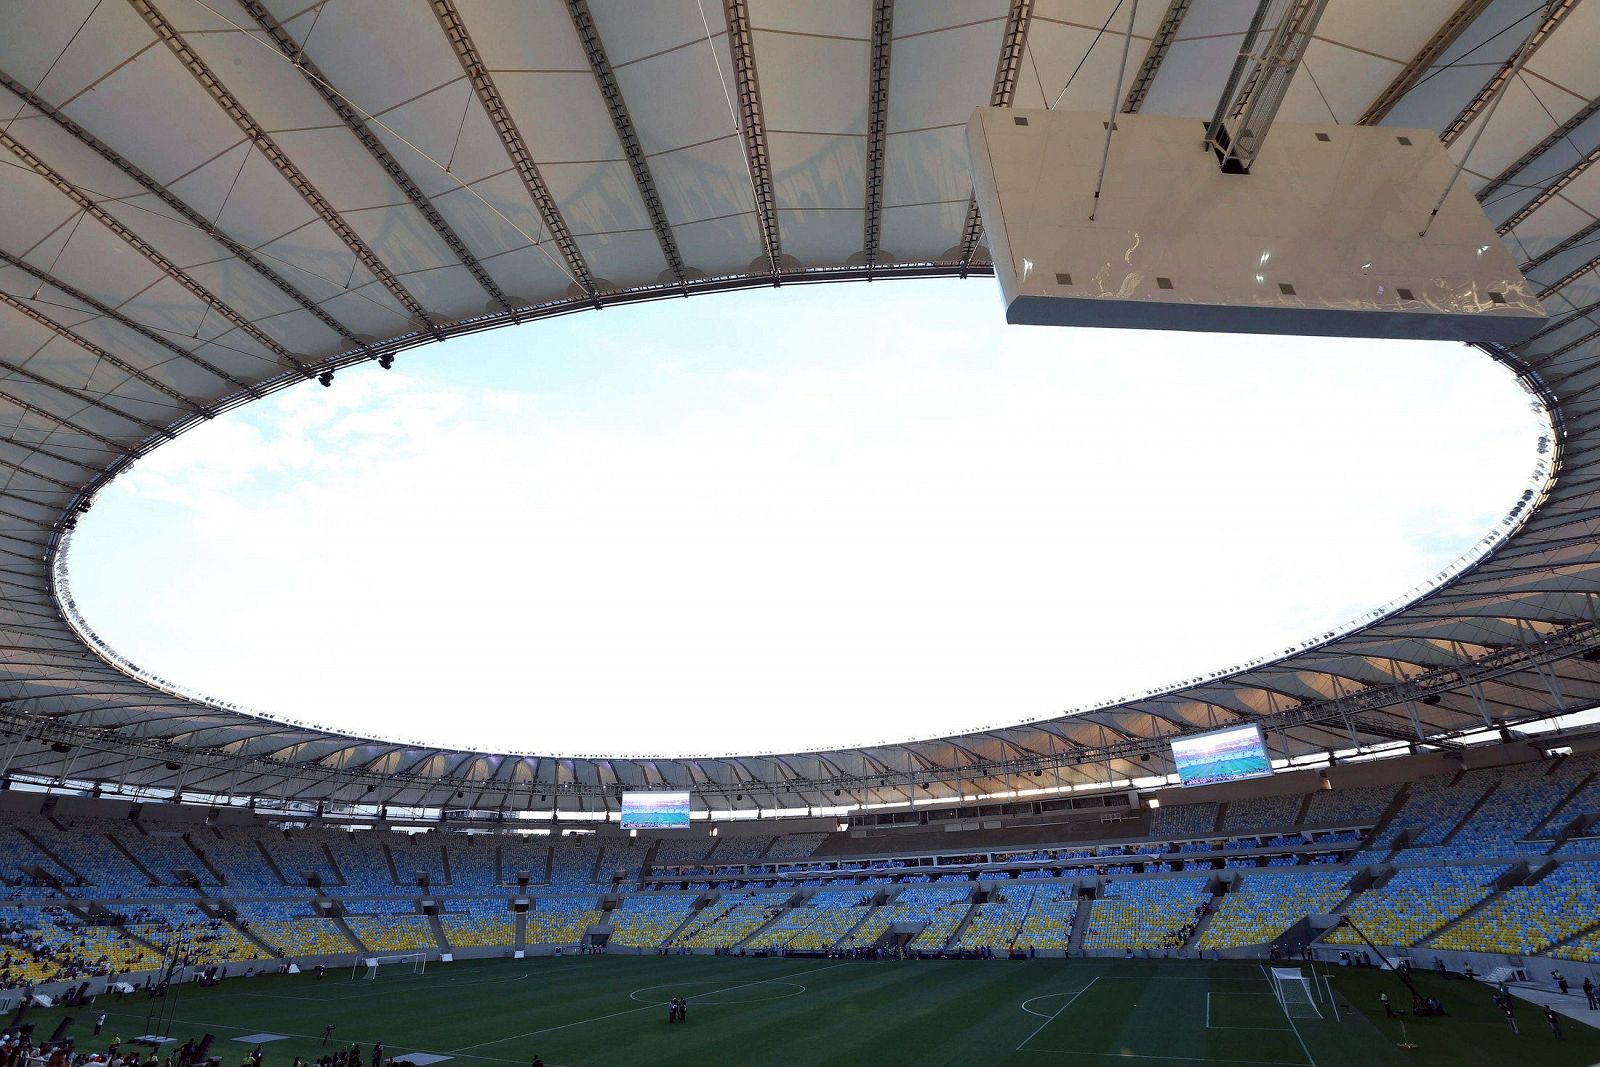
{"x":1265,"y":905}
{"x":108,"y":873}
{"x":1048,"y":923}
{"x":1183,"y":820}
{"x":478,"y":923}
{"x":822,"y":922}
{"x":1360,"y":806}
{"x":561,"y":920}
{"x":162,"y":854}
{"x":1414,"y":903}
{"x":473,"y":860}
{"x":243,"y":865}
{"x":299,"y":853}
{"x":364,"y":863}
{"x":1529,"y":919}
{"x":574,"y":861}
{"x":1262,"y":813}
{"x":1432,"y":809}
{"x":43,"y":944}
{"x":415,"y":854}
{"x":739,"y":849}
{"x":530,"y":855}
{"x":390,"y":926}
{"x":294,"y":929}
{"x":795,"y":846}
{"x":647,"y":921}
{"x":1156,"y":913}
{"x":200,"y":939}
{"x":681,"y":851}
{"x":996,"y":922}
{"x":728,"y":921}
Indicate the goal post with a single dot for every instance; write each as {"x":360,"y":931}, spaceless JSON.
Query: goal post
{"x":416,"y":961}
{"x":1296,"y":992}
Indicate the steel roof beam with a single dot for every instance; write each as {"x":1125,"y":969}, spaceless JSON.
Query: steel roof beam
{"x":494,"y":106}
{"x":877,"y":125}
{"x":1430,"y":53}
{"x":66,"y":424}
{"x":753,"y":128}
{"x":594,"y":49}
{"x":149,"y":252}
{"x":83,"y":398}
{"x":106,"y":311}
{"x":280,"y":160}
{"x":1555,"y":137}
{"x":1572,"y":241}
{"x":1550,"y":191}
{"x":101,"y":354}
{"x":1013,"y":44}
{"x":291,"y":50}
{"x":244,"y":254}
{"x":1556,"y":11}
{"x":1160,"y":45}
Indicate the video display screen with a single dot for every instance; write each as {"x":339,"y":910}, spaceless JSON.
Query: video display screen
{"x":1222,"y":756}
{"x":655,"y":811}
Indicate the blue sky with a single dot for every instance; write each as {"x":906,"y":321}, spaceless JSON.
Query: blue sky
{"x":791,"y":518}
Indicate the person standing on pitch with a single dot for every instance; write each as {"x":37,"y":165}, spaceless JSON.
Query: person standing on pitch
{"x":1388,"y":1009}
{"x":1553,"y":1021}
{"x":1510,"y":1013}
{"x":100,"y":1020}
{"x":327,"y":1032}
{"x":1588,"y":992}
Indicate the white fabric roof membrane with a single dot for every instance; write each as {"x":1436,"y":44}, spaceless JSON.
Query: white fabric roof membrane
{"x":205,"y":200}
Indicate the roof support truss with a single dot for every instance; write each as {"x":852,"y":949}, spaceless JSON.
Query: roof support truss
{"x":594,"y":48}
{"x":877,"y":125}
{"x":1160,"y":44}
{"x":489,"y":98}
{"x":280,"y":160}
{"x":1555,"y":11}
{"x":753,"y":127}
{"x":1419,"y":64}
{"x":1013,"y":45}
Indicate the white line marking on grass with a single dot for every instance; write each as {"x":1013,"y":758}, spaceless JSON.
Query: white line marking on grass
{"x":1043,"y":996}
{"x":1309,"y":1058}
{"x":1058,"y":1011}
{"x":1137,"y":1056}
{"x":647,"y":1007}
{"x":1231,"y":993}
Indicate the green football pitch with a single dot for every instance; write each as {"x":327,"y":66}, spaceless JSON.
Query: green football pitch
{"x":611,"y":1010}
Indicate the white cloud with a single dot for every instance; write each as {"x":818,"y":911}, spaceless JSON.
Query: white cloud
{"x":788,"y":520}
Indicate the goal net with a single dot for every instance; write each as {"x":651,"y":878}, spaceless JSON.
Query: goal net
{"x":416,"y":962}
{"x":1296,"y":991}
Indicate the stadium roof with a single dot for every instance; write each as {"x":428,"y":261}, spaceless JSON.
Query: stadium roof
{"x":207,"y":200}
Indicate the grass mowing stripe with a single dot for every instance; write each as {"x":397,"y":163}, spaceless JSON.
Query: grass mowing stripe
{"x":648,"y":1007}
{"x":1058,"y":1011}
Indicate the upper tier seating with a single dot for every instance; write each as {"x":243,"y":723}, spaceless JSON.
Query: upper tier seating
{"x":1359,"y":806}
{"x":300,"y":852}
{"x":1183,"y":820}
{"x":241,"y":862}
{"x":1433,"y":807}
{"x":739,"y":849}
{"x":1262,"y":813}
{"x":795,"y":846}
{"x":472,"y":862}
{"x":575,"y":863}
{"x":415,"y":854}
